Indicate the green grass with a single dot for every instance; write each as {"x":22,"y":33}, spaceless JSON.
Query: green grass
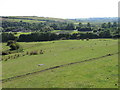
{"x":102,"y":75}
{"x":28,"y":21}
{"x":74,"y":32}
{"x":64,"y":31}
{"x":19,"y":33}
{"x":89,"y":74}
{"x":68,"y":31}
{"x":31,"y":19}
{"x":55,"y":31}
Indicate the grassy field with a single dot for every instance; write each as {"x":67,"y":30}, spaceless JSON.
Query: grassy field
{"x":27,"y":21}
{"x":67,"y":31}
{"x":32,"y":19}
{"x":100,"y":73}
{"x":19,"y":33}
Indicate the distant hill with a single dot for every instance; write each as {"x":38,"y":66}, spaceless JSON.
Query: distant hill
{"x":97,"y":20}
{"x":44,"y":24}
{"x":34,"y":19}
{"x":33,"y":23}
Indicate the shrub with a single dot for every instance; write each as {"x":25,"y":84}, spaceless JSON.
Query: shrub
{"x":63,"y":38}
{"x":14,"y":48}
{"x":27,"y":53}
{"x":5,"y":53}
{"x":33,"y":53}
{"x":41,"y":52}
{"x":87,"y":39}
{"x":15,"y":32}
{"x":13,"y":45}
{"x":82,"y":39}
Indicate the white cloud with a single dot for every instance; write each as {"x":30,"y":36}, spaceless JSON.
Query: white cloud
{"x":60,"y":8}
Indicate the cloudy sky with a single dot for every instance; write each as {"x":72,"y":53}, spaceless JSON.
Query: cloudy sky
{"x":60,"y":8}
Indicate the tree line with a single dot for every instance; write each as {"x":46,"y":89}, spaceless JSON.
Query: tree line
{"x":49,"y":26}
{"x":43,"y":27}
{"x":48,"y":36}
{"x":42,"y":31}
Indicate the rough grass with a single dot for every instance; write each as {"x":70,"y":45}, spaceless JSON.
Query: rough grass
{"x":95,"y":74}
{"x":68,"y":31}
{"x":28,"y":21}
{"x":31,"y":19}
{"x":63,"y":52}
{"x":19,"y":33}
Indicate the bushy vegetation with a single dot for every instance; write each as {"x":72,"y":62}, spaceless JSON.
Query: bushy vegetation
{"x":7,"y":36}
{"x":48,"y":36}
{"x":13,"y":45}
{"x":14,"y":48}
{"x":41,"y":31}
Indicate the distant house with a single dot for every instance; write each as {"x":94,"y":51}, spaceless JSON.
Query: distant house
{"x":76,"y":30}
{"x":57,"y":33}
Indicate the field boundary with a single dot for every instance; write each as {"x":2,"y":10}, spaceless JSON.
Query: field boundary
{"x":14,"y":77}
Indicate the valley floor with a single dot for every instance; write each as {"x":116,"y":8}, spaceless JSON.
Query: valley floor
{"x":96,"y":73}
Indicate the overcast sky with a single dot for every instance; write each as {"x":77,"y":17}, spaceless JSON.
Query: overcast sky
{"x":60,"y":8}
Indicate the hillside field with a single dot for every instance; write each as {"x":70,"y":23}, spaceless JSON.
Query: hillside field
{"x":93,"y":71}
